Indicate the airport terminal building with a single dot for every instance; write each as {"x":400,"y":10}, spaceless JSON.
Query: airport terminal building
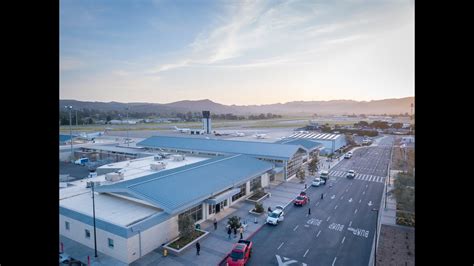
{"x":287,"y":158}
{"x":137,"y":210}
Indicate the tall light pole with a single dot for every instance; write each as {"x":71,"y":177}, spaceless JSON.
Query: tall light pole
{"x":128,"y":127}
{"x":376,"y":226}
{"x":77,"y":124}
{"x":93,"y":215}
{"x":69,"y":107}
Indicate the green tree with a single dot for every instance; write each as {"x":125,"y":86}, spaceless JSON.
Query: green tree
{"x":350,"y":140}
{"x":313,"y":166}
{"x":186,"y":226}
{"x":300,"y":174}
{"x":234,"y":222}
{"x":258,"y":207}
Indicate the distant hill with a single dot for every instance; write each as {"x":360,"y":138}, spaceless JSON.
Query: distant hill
{"x":336,"y":107}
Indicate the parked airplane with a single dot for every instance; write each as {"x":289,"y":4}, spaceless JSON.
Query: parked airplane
{"x":239,"y":134}
{"x":260,"y":136}
{"x":91,"y":136}
{"x":182,"y":130}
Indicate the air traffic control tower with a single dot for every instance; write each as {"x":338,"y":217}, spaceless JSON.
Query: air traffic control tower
{"x":206,"y":122}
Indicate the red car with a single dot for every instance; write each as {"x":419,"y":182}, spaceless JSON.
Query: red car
{"x":240,"y":254}
{"x":301,"y":200}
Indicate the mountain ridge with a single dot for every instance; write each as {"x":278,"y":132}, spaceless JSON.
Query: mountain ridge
{"x":336,"y":107}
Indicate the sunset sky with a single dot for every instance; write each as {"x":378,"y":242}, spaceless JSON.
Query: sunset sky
{"x":236,"y":52}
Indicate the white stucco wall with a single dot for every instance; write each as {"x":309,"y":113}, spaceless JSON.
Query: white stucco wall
{"x":152,"y":238}
{"x":77,"y":233}
{"x":265,"y":180}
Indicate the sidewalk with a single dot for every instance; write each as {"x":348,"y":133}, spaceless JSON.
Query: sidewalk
{"x":389,"y":216}
{"x":216,"y":246}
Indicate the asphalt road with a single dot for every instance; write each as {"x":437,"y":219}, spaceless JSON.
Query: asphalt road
{"x":340,"y":229}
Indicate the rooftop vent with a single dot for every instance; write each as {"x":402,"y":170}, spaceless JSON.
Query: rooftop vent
{"x":157,"y":166}
{"x":116,"y":176}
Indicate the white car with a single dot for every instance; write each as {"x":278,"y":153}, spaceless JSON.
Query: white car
{"x":318,"y":181}
{"x":350,"y":174}
{"x":276,"y":216}
{"x":348,"y":155}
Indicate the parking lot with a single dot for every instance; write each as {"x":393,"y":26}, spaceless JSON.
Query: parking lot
{"x":75,"y":171}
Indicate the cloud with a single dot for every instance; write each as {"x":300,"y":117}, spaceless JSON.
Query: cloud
{"x":68,"y":63}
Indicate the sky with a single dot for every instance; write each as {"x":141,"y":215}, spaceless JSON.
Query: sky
{"x":236,"y":52}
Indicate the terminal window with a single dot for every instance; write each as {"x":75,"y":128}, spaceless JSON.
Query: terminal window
{"x":111,"y":242}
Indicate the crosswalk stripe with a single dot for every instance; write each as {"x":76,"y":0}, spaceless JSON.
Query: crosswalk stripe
{"x":371,"y":178}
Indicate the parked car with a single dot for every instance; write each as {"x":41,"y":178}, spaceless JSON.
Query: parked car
{"x":322,"y":181}
{"x":316,"y":182}
{"x":276,"y":216}
{"x":82,"y":161}
{"x":241,"y":253}
{"x":324,"y":175}
{"x":301,"y":199}
{"x":350,"y":174}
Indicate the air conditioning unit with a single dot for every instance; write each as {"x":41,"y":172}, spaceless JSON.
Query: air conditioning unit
{"x":178,"y":157}
{"x":116,"y":176}
{"x":157,"y":166}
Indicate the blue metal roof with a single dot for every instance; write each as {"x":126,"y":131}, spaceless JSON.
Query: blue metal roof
{"x":180,"y":188}
{"x":252,"y":148}
{"x":307,"y":144}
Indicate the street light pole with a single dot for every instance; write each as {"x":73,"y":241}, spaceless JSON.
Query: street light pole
{"x":93,"y":215}
{"x":128,"y":128}
{"x":70,"y":127}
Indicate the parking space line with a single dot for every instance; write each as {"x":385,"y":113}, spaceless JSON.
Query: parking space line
{"x":328,"y":218}
{"x":334,"y":261}
{"x":318,"y":233}
{"x":350,"y":223}
{"x":281,"y":245}
{"x":296,"y":227}
{"x":306,"y":253}
{"x":335,"y":207}
{"x":343,"y":240}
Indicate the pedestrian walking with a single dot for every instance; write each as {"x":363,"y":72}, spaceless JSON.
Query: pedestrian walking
{"x":309,"y":211}
{"x":309,"y":200}
{"x":269,"y":209}
{"x":235,"y":232}
{"x":241,"y":231}
{"x":215,"y":224}
{"x":229,"y":231}
{"x":322,"y":195}
{"x":198,"y":248}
